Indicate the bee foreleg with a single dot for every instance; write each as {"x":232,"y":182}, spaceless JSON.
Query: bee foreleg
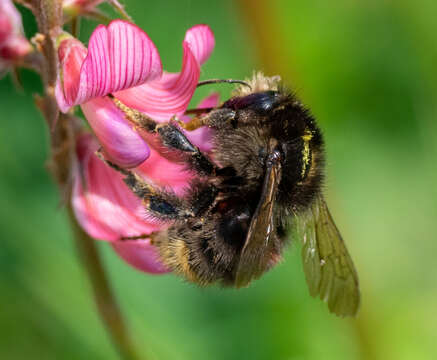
{"x":222,"y":118}
{"x":194,"y":123}
{"x":215,"y":118}
{"x":159,"y":203}
{"x":171,"y":137}
{"x":138,"y":118}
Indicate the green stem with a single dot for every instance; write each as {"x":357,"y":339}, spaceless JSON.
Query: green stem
{"x":105,"y":299}
{"x":75,"y":26}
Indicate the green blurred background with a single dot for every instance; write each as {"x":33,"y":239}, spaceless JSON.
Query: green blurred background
{"x":368,"y":72}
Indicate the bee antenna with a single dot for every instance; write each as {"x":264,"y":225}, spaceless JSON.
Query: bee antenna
{"x":228,"y":81}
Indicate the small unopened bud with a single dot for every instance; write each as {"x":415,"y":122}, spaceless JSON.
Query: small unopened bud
{"x":75,"y":8}
{"x":15,"y":49}
{"x":13,"y":44}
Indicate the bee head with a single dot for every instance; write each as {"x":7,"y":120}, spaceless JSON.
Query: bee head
{"x":261,"y":103}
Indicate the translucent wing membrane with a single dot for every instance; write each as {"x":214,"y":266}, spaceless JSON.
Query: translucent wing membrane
{"x":328,"y":267}
{"x":257,"y":250}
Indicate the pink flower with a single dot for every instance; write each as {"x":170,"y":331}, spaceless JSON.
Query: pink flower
{"x":73,"y":8}
{"x":13,"y":44}
{"x":122,"y":60}
{"x":108,"y":210}
{"x":76,"y":7}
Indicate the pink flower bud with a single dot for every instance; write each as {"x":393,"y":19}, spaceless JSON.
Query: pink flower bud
{"x":13,"y":44}
{"x":15,"y":48}
{"x":78,"y":7}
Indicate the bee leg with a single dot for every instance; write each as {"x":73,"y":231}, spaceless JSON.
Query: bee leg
{"x":171,"y":137}
{"x":194,"y":123}
{"x":215,"y":118}
{"x":150,"y":236}
{"x":159,"y":203}
{"x":138,"y":118}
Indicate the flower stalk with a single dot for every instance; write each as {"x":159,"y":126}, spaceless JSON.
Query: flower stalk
{"x":104,"y":297}
{"x":64,"y":130}
{"x":120,"y":62}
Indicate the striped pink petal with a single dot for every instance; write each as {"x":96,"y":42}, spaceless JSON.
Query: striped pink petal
{"x":107,"y":209}
{"x":71,"y":54}
{"x":103,"y":204}
{"x":119,"y":56}
{"x":170,"y":95}
{"x":201,"y":41}
{"x":121,"y":143}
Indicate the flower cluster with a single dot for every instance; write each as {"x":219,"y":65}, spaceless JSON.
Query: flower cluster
{"x":121,"y":60}
{"x":13,"y":44}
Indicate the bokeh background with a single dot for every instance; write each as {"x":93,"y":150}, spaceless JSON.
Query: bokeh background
{"x":367,"y":69}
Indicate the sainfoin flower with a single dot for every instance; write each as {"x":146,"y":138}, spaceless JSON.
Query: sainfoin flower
{"x":13,"y":44}
{"x":123,"y":61}
{"x":76,"y":7}
{"x":73,"y":8}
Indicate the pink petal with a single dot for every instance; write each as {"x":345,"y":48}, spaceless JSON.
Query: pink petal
{"x":119,"y":56}
{"x":202,"y":137}
{"x":71,"y":56}
{"x":201,"y":41}
{"x":121,"y":143}
{"x":165,"y":173}
{"x":141,"y":255}
{"x":168,"y":96}
{"x":104,"y":206}
{"x":5,"y":27}
{"x":10,"y":20}
{"x":171,"y":94}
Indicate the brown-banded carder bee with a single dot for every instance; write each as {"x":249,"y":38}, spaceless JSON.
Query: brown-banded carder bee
{"x":262,"y":180}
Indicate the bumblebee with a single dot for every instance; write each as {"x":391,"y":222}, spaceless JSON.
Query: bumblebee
{"x":262,"y":179}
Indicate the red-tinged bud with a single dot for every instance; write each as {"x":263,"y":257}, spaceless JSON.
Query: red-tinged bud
{"x":13,"y":44}
{"x":15,"y":49}
{"x":78,"y":7}
{"x":5,"y":27}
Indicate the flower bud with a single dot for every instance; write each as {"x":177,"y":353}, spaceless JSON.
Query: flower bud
{"x":13,"y":44}
{"x":78,"y":7}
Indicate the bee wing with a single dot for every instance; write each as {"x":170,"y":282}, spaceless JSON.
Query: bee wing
{"x":329,"y":270}
{"x":256,"y":252}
